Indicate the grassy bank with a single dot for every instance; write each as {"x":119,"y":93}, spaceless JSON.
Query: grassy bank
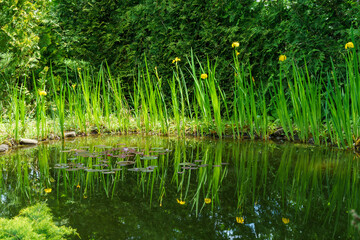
{"x":323,"y":108}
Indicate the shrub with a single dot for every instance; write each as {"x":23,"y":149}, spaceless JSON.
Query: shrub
{"x":33,"y":223}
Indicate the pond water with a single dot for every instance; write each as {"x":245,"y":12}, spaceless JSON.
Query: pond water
{"x":136,"y":187}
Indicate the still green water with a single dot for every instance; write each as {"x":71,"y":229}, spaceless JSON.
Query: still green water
{"x":136,"y":187}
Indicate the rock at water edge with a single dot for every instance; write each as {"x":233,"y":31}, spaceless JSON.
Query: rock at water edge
{"x":69,"y":134}
{"x":4,"y":148}
{"x":28,"y":141}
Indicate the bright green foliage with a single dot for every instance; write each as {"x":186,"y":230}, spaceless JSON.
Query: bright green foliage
{"x":20,"y":23}
{"x":33,"y":223}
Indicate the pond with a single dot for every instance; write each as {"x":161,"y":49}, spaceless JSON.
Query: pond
{"x":149,"y":187}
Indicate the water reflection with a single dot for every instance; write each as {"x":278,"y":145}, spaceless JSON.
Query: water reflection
{"x":186,"y":189}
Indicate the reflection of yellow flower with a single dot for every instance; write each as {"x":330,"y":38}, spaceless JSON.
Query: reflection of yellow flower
{"x":204,"y":76}
{"x":42,"y":93}
{"x":48,"y":190}
{"x":240,"y":220}
{"x":207,"y":200}
{"x":176,"y":60}
{"x":349,"y":45}
{"x":282,"y":58}
{"x":285,"y":220}
{"x":180,"y":202}
{"x":235,"y":44}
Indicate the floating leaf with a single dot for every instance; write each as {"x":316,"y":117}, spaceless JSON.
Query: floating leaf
{"x":203,"y":165}
{"x":184,"y":163}
{"x":148,"y":158}
{"x":125,"y":163}
{"x":72,"y":169}
{"x":134,"y":169}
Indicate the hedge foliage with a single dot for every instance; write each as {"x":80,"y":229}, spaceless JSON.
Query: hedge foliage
{"x":79,"y":33}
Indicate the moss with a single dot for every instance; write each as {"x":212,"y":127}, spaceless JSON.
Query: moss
{"x":33,"y":223}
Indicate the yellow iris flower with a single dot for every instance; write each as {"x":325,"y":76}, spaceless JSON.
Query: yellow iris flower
{"x":180,"y":202}
{"x":282,"y":58}
{"x":176,"y":60}
{"x":47,"y":190}
{"x":204,"y":76}
{"x":235,"y":44}
{"x":285,"y":220}
{"x":349,"y":45}
{"x":240,"y":220}
{"x":42,"y":93}
{"x":207,"y":200}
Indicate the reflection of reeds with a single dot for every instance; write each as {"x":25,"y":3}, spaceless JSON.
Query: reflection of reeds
{"x":263,"y":183}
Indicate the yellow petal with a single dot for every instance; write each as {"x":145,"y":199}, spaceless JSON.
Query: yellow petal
{"x":42,"y":93}
{"x":47,"y":190}
{"x":349,"y":45}
{"x":240,"y":220}
{"x":207,"y":200}
{"x":282,"y":58}
{"x":204,"y":76}
{"x":235,"y":44}
{"x":285,"y":220}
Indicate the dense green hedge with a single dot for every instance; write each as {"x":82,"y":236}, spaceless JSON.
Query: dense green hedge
{"x":87,"y":32}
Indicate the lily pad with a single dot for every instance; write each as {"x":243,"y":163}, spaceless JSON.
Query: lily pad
{"x":125,"y":163}
{"x":203,"y":165}
{"x":148,"y":158}
{"x":184,"y":163}
{"x":134,"y":169}
{"x":73,"y":169}
{"x":102,"y":146}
